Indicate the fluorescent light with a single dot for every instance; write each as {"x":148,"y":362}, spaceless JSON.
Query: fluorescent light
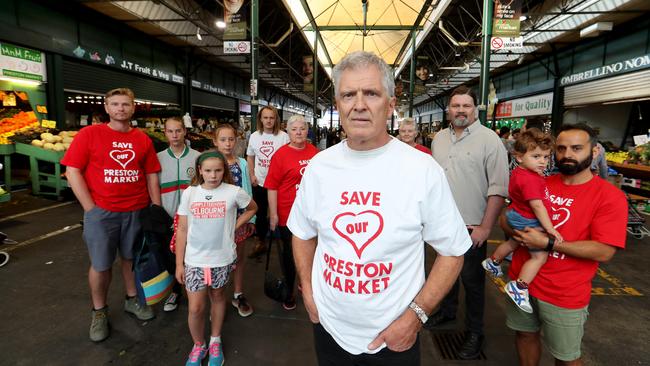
{"x":595,"y":29}
{"x":273,"y":63}
{"x":20,"y":81}
{"x":198,"y":34}
{"x":522,"y":18}
{"x":220,"y":24}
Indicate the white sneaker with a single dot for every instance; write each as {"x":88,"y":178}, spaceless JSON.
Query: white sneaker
{"x":492,"y":268}
{"x":171,"y":303}
{"x":519,"y":296}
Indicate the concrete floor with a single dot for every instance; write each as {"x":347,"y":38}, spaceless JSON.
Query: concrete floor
{"x":45,"y":309}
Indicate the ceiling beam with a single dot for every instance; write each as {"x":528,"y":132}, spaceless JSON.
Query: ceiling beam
{"x":368,"y":28}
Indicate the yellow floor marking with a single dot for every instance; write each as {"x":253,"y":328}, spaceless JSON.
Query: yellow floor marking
{"x":619,"y":287}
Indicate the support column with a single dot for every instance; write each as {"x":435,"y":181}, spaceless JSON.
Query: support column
{"x":314,"y":126}
{"x":412,"y":75}
{"x":54,"y":89}
{"x":485,"y":60}
{"x":254,"y":60}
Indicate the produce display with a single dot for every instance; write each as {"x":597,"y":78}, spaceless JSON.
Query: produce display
{"x":617,"y":157}
{"x":60,"y":142}
{"x":199,"y":142}
{"x":639,"y":155}
{"x":14,"y":121}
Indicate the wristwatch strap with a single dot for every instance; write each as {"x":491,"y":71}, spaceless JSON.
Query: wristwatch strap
{"x":419,"y":312}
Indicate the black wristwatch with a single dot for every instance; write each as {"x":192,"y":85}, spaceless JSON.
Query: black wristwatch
{"x":551,"y":243}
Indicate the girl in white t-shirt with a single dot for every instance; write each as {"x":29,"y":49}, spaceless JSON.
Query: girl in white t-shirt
{"x":205,"y":248}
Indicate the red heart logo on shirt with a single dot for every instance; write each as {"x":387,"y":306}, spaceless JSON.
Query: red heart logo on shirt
{"x":123,"y":157}
{"x":359,"y":229}
{"x":267,"y":150}
{"x":560,"y":216}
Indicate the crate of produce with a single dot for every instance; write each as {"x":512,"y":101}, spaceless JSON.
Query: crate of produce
{"x":39,"y":152}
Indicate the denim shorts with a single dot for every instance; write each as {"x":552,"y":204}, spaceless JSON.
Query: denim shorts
{"x":518,"y":222}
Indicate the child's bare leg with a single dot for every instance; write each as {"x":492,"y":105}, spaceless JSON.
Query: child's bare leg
{"x":217,"y":310}
{"x":238,"y":272}
{"x":196,"y":314}
{"x":532,"y":266}
{"x":504,"y":249}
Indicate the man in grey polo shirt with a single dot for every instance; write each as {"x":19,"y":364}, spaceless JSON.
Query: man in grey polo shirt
{"x":476,"y":164}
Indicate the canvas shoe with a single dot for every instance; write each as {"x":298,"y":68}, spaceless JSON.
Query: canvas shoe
{"x":519,"y":296}
{"x":492,"y":268}
{"x":131,"y":305}
{"x":289,"y":304}
{"x":99,"y":327}
{"x":171,"y":303}
{"x":243,"y":307}
{"x":216,"y":354}
{"x":197,"y":355}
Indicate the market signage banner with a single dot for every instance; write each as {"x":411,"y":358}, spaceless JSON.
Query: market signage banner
{"x":109,"y":60}
{"x":213,"y":89}
{"x":235,"y":15}
{"x":22,"y":63}
{"x":506,"y":18}
{"x":538,"y":105}
{"x":633,"y":64}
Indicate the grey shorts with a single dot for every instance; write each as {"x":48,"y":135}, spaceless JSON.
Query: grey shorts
{"x":106,"y":232}
{"x":197,"y":279}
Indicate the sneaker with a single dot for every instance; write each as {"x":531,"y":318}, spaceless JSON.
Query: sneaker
{"x":519,"y":296}
{"x":171,"y":303}
{"x":243,"y":307}
{"x":197,"y":355}
{"x":289,"y":304}
{"x":99,"y":327}
{"x":216,"y":354}
{"x":131,"y":305}
{"x":492,"y":268}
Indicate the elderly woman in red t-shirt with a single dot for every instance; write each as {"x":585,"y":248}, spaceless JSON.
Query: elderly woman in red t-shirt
{"x":285,"y":173}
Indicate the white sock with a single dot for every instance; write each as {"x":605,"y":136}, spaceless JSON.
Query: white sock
{"x":216,"y":339}
{"x":236,"y":294}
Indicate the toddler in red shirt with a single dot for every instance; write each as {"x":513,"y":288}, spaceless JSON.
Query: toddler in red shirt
{"x":530,"y":207}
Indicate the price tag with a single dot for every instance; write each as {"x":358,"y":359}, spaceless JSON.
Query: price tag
{"x":48,"y":123}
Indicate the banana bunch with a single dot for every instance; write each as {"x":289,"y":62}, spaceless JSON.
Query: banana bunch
{"x":617,"y":157}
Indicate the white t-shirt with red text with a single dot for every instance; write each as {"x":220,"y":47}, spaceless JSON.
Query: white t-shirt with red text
{"x":371,"y":211}
{"x":263,"y":146}
{"x":114,"y":165}
{"x":211,"y":217}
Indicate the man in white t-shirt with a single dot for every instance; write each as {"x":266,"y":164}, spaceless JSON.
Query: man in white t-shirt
{"x":262,"y":144}
{"x":364,"y":285}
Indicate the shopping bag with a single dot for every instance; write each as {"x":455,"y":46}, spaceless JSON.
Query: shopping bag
{"x":274,"y":287}
{"x":153,"y":282}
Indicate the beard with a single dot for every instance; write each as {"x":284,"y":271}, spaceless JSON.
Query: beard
{"x":573,"y":167}
{"x":462,"y":122}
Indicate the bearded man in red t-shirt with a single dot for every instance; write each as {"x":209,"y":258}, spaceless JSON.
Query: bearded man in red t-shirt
{"x":112,"y":169}
{"x":591,"y":216}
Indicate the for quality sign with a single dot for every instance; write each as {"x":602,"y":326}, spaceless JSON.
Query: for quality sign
{"x":230,"y":47}
{"x":506,"y":43}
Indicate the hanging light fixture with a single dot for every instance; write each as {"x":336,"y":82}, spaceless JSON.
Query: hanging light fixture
{"x":198,"y":34}
{"x":220,"y":24}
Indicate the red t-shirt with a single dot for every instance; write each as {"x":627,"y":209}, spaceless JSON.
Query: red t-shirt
{"x":114,"y":165}
{"x":526,"y":185}
{"x":285,"y":173}
{"x":423,"y":148}
{"x":595,"y":210}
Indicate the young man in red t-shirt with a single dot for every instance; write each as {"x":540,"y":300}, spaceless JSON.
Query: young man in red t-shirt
{"x":112,"y":170}
{"x":591,"y":216}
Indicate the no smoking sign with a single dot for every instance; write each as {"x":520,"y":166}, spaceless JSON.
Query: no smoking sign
{"x":506,"y":43}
